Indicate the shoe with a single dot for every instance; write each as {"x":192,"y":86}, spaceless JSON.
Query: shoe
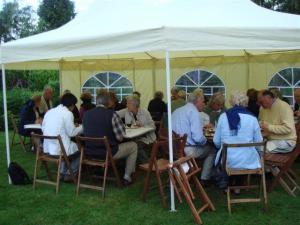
{"x":237,"y":191}
{"x":206,"y":183}
{"x":127,"y":183}
{"x":68,"y":178}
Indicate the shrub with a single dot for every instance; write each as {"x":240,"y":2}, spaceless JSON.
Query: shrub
{"x":16,"y":98}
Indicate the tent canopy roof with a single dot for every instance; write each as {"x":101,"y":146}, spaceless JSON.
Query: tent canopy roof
{"x":147,"y":28}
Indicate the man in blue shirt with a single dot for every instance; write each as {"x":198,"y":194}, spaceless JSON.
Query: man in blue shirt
{"x":187,"y":120}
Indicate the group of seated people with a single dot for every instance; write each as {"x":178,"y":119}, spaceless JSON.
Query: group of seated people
{"x":103,"y":119}
{"x":250,"y":117}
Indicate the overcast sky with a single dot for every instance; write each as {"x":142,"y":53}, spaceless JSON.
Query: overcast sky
{"x":80,"y":5}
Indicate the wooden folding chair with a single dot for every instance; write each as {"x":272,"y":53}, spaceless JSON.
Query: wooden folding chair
{"x":160,"y":165}
{"x":183,"y":171}
{"x":22,"y":139}
{"x":236,"y":172}
{"x":281,"y":168}
{"x":105,"y":163}
{"x":44,"y":158}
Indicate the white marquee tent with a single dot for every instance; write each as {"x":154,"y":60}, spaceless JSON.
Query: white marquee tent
{"x":160,"y":29}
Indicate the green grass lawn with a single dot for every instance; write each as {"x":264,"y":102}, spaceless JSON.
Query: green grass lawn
{"x":21,"y":205}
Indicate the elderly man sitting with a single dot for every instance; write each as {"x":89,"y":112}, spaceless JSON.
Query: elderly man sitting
{"x":277,"y":123}
{"x":135,"y":116}
{"x":186,"y":120}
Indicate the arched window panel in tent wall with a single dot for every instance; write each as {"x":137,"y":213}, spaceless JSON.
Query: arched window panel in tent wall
{"x":209,"y":82}
{"x":286,"y":81}
{"x":110,"y":81}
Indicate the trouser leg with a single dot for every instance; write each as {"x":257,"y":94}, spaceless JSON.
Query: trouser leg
{"x":127,"y":150}
{"x":74,"y":161}
{"x":205,"y":152}
{"x":142,"y":156}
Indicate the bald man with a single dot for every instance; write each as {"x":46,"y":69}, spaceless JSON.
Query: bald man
{"x":297,"y":102}
{"x":46,"y":103}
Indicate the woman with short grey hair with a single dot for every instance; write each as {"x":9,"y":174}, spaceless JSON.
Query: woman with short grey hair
{"x":238,"y":125}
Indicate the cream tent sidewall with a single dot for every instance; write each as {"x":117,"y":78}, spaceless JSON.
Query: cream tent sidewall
{"x":233,"y":71}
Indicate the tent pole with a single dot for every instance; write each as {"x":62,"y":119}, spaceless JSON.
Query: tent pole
{"x":168,"y":74}
{"x":5,"y":118}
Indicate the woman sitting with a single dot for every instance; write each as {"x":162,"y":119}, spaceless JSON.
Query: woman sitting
{"x":238,"y":125}
{"x":30,"y":114}
{"x":87,"y":104}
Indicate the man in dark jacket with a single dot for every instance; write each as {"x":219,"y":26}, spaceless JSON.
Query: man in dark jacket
{"x":100,"y":122}
{"x":157,"y":106}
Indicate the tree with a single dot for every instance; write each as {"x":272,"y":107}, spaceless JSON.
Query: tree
{"x":15,"y":22}
{"x":55,"y":13}
{"x":289,"y":6}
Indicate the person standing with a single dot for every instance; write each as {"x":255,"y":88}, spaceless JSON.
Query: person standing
{"x":157,"y":106}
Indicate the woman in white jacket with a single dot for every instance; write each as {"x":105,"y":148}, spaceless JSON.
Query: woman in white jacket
{"x":60,"y":121}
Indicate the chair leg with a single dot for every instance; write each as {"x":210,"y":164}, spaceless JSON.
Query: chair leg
{"x":104,"y":179}
{"x":35,"y":173}
{"x":113,"y":165}
{"x":161,"y":190}
{"x":171,"y":176}
{"x":286,"y":187}
{"x":190,"y":202}
{"x":13,"y":140}
{"x":228,"y":200}
{"x":22,"y":142}
{"x":146,"y":185}
{"x":58,"y":174}
{"x":276,"y":179}
{"x":265,"y":197}
{"x":292,"y":180}
{"x":79,"y":176}
{"x":203,"y":194}
{"x":293,"y":174}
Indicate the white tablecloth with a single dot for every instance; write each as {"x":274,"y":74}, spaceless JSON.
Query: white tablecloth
{"x":33,"y":126}
{"x":136,"y":132}
{"x":130,"y":132}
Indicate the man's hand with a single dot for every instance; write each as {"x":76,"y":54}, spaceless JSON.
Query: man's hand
{"x":39,"y":121}
{"x":297,"y":113}
{"x":138,"y":124}
{"x":264,"y":129}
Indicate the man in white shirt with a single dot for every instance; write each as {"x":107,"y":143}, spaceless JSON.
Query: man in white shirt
{"x":60,"y":121}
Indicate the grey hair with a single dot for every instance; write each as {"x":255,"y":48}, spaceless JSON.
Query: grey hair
{"x":47,"y":87}
{"x":194,"y":96}
{"x":134,"y":99}
{"x":239,"y":98}
{"x":102,"y":97}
